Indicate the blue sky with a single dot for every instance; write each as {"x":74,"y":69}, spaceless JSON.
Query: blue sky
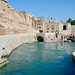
{"x":58,"y":9}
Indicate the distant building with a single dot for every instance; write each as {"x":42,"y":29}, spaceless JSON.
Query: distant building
{"x":54,"y":29}
{"x":73,"y":29}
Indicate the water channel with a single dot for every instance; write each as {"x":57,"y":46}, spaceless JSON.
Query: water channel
{"x":41,"y":59}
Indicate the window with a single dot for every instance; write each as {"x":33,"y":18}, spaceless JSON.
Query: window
{"x":41,"y":31}
{"x":46,"y":21}
{"x":52,"y":31}
{"x":47,"y":31}
{"x":56,"y":31}
{"x":29,"y":17}
{"x":32,"y":24}
{"x":64,"y":37}
{"x":64,"y":27}
{"x":38,"y":20}
{"x":47,"y":27}
{"x":52,"y":27}
{"x":41,"y":20}
{"x":56,"y":35}
{"x":3,"y":9}
{"x":39,"y":27}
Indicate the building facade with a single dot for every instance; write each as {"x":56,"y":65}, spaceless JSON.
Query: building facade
{"x":73,"y":29}
{"x":52,"y":28}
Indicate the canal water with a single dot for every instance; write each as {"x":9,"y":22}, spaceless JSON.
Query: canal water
{"x":41,"y":59}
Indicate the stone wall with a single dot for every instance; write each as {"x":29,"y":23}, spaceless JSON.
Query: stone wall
{"x":11,"y":41}
{"x":73,"y":29}
{"x":4,"y":0}
{"x":12,"y":20}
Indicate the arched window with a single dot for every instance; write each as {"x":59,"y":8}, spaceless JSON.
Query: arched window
{"x":47,"y":27}
{"x":56,"y":35}
{"x":29,"y":17}
{"x":64,"y":27}
{"x":52,"y":27}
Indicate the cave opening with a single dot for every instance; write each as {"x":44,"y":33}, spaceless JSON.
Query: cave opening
{"x":40,"y":39}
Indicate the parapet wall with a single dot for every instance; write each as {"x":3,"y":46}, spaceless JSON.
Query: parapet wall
{"x":12,"y":41}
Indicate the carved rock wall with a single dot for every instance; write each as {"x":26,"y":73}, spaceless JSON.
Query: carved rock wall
{"x":12,"y":20}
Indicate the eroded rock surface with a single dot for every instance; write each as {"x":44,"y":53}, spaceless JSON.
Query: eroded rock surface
{"x":11,"y":20}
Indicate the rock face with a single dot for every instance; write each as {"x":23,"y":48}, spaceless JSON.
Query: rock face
{"x":4,"y":0}
{"x":11,"y":21}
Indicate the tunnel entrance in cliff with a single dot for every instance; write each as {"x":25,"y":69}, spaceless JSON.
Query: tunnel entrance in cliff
{"x":40,"y":39}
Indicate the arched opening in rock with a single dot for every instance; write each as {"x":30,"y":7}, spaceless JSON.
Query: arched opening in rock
{"x":40,"y":39}
{"x":64,"y":27}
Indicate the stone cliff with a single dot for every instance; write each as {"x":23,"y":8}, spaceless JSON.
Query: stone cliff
{"x":4,"y":0}
{"x":11,"y":21}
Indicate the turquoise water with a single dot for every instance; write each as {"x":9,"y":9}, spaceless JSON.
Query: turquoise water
{"x":41,"y":59}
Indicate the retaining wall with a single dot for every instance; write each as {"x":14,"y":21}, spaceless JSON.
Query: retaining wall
{"x":11,"y":41}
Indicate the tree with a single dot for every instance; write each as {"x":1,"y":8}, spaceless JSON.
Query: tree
{"x":69,"y":20}
{"x":73,"y":22}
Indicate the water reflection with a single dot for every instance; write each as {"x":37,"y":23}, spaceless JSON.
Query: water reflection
{"x":41,"y":59}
